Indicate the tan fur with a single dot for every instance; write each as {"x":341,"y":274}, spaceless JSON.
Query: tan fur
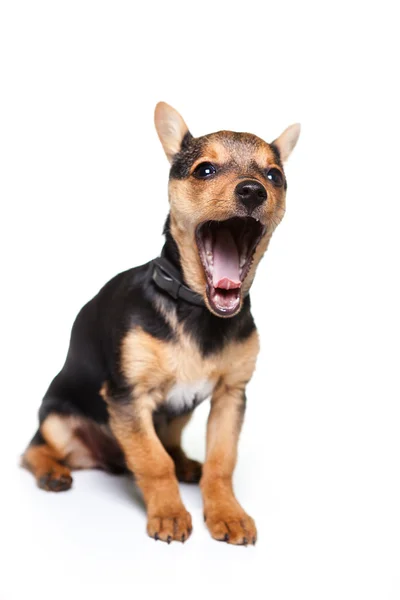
{"x":154,"y":366}
{"x":193,"y":202}
{"x":225,"y":518}
{"x":167,"y":518}
{"x":78,"y":443}
{"x":59,"y":432}
{"x":45,"y":463}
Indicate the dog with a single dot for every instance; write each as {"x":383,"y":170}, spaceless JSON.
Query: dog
{"x":160,"y":338}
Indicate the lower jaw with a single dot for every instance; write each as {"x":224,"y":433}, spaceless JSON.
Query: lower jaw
{"x":224,"y":303}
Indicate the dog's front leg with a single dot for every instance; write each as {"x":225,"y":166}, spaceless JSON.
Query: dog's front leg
{"x":132,"y":425}
{"x":225,"y":518}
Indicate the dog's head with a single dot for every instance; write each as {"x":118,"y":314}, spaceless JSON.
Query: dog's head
{"x":227,"y":195}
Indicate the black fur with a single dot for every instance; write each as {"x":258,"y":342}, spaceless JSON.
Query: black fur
{"x":278,"y":161}
{"x":277,"y":154}
{"x":191,"y":149}
{"x":38,"y":439}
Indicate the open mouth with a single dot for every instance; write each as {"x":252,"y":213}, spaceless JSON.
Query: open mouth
{"x":226,"y":250}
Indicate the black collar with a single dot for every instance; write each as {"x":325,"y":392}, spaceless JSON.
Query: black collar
{"x":168,"y":279}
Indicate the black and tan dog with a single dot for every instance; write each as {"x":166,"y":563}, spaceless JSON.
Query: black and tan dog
{"x":160,"y":338}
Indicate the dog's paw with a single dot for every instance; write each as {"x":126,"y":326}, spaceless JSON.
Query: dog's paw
{"x":167,"y":528}
{"x":55,"y":480}
{"x":238,"y":529}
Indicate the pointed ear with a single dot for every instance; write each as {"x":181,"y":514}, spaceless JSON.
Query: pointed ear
{"x":287,"y":141}
{"x":171,"y":128}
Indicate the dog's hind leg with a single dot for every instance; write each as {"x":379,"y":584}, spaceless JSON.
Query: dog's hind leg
{"x":170,"y":434}
{"x":55,"y":450}
{"x":45,"y":463}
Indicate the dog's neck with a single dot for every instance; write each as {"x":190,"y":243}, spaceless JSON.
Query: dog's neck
{"x":170,"y":249}
{"x":168,"y":273}
{"x":210,"y":331}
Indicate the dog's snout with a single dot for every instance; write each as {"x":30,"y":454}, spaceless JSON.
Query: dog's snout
{"x":251,"y":193}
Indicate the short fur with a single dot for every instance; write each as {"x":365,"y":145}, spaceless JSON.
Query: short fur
{"x":133,"y":347}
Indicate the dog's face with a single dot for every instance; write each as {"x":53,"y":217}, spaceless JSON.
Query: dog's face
{"x":227,"y":195}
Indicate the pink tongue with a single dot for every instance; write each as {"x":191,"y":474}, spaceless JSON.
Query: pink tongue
{"x":226,"y":261}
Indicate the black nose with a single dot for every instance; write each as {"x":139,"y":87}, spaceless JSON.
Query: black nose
{"x":251,"y":194}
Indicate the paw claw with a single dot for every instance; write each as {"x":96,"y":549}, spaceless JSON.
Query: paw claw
{"x":169,"y":528}
{"x":236,"y":528}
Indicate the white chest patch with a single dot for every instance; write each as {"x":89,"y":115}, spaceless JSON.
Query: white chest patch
{"x":185,"y":396}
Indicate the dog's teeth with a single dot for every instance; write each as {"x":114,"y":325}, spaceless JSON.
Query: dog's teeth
{"x":208,"y":244}
{"x":208,"y":250}
{"x":243,"y":255}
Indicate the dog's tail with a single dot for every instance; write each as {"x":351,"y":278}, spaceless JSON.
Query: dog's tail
{"x":46,"y":465}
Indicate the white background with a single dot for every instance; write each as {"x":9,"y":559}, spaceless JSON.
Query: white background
{"x":83,"y":196}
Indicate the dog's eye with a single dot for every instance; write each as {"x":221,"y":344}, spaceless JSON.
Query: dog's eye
{"x":204,"y":170}
{"x":275,"y":177}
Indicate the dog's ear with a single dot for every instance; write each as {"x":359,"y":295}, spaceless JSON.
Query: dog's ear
{"x":287,"y":141}
{"x":171,"y":128}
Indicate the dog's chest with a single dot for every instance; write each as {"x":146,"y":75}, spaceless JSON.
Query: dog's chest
{"x":177,"y":375}
{"x":186,"y":395}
